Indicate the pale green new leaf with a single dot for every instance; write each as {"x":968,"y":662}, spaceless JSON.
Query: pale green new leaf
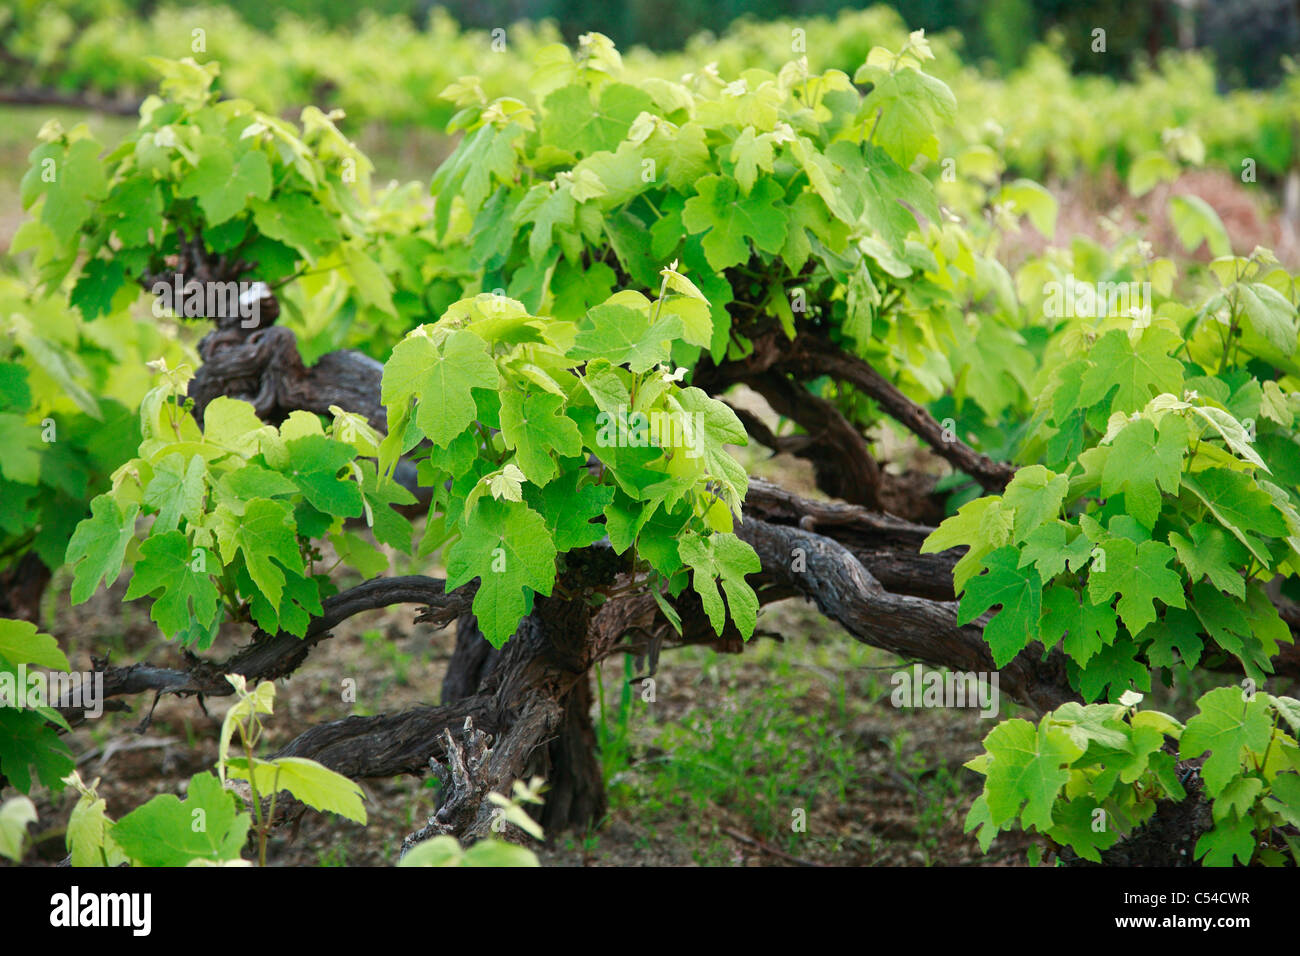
{"x":308,"y":781}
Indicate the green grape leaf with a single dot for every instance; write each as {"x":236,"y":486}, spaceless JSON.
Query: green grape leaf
{"x":545,"y":209}
{"x":70,"y":181}
{"x":438,"y":851}
{"x":1284,"y":797}
{"x":1141,"y":465}
{"x":534,"y":425}
{"x":232,"y":424}
{"x":506,"y":482}
{"x":980,"y":819}
{"x":296,"y":220}
{"x":626,"y":336}
{"x":725,"y":558}
{"x":1030,"y":765}
{"x":1075,"y":827}
{"x":27,"y":740}
{"x":1226,"y":725}
{"x":389,"y":525}
{"x":1115,"y":666}
{"x":612,"y":178}
{"x":982,"y":525}
{"x":15,"y":393}
{"x":1136,"y":372}
{"x":314,"y":464}
{"x":223,"y":186}
{"x":1224,"y":618}
{"x":16,"y":814}
{"x":1178,"y":632}
{"x":905,"y":107}
{"x":1231,"y":838}
{"x":577,"y":290}
{"x":98,"y":546}
{"x":1240,"y":505}
{"x":750,"y":153}
{"x":1238,"y":797}
{"x":168,"y":832}
{"x":1018,"y":590}
{"x":441,"y":377}
{"x":571,"y":506}
{"x":88,"y":839}
{"x":21,"y":644}
{"x":265,"y":536}
{"x":714,"y":426}
{"x":572,"y":120}
{"x":682,"y":157}
{"x":507,"y":546}
{"x":176,"y":491}
{"x":1289,"y":709}
{"x":1036,"y":495}
{"x":467,"y":174}
{"x":1270,"y":314}
{"x":733,"y":218}
{"x":372,"y":284}
{"x":885,"y":187}
{"x":299,"y":601}
{"x":254,"y":481}
{"x":497,"y":853}
{"x":1212,"y":553}
{"x":1139,"y":574}
{"x":1086,"y":627}
{"x":310,"y":782}
{"x":1046,"y":548}
{"x":95,"y":289}
{"x":134,"y":207}
{"x":167,"y":564}
{"x":1101,"y":723}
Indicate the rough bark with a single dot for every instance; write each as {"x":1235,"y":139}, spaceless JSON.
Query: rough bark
{"x":575,"y":797}
{"x":268,"y":656}
{"x":841,"y":460}
{"x":471,"y":661}
{"x":545,"y":661}
{"x":813,"y":356}
{"x":911,"y":627}
{"x":266,"y":370}
{"x":576,"y":794}
{"x":889,"y":547}
{"x":21,"y":587}
{"x":776,"y":367}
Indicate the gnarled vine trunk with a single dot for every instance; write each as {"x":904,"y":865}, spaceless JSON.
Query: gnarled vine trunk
{"x":575,"y":793}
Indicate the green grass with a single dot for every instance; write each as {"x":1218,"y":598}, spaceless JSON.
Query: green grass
{"x":395,"y":662}
{"x":755,"y":749}
{"x":758,"y":756}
